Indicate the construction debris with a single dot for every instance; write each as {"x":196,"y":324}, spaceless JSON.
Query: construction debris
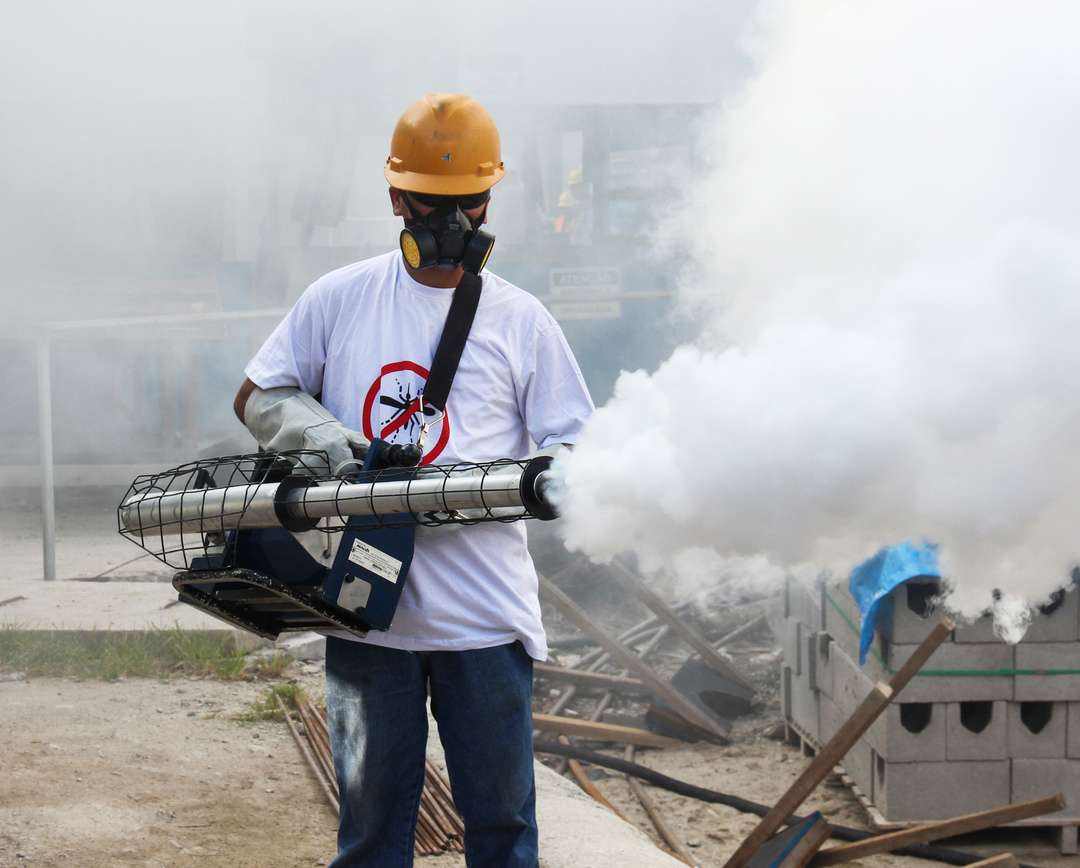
{"x":439,"y":827}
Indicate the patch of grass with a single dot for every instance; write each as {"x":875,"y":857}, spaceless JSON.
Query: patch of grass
{"x":273,"y":666}
{"x":267,"y":708}
{"x":114,"y":654}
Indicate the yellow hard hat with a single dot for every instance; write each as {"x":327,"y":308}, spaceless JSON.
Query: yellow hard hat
{"x":445,"y":145}
{"x":576,"y":177}
{"x":567,"y":199}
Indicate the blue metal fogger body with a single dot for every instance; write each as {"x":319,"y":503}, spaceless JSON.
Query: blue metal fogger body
{"x":246,"y":547}
{"x":274,"y":584}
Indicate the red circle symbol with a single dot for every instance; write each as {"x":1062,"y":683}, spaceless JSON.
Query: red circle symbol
{"x":393,"y":410}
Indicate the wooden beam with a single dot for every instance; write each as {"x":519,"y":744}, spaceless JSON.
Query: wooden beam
{"x":633,"y":583}
{"x":850,"y":732}
{"x":659,"y":686}
{"x":666,"y":832}
{"x":936,"y":831}
{"x":601,"y":731}
{"x":585,"y":678}
{"x":1002,"y":860}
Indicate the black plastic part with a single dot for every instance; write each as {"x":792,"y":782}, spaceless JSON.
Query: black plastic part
{"x":477,"y":252}
{"x":263,"y":605}
{"x":400,"y":455}
{"x":297,"y":524}
{"x":426,"y":246}
{"x":533,"y":501}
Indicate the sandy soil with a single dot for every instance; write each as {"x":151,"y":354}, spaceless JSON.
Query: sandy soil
{"x":152,"y":773}
{"x":142,"y":772}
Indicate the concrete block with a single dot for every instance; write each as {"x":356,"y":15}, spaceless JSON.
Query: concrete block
{"x":804,"y":599}
{"x":924,"y":792}
{"x":801,"y":704}
{"x":1043,"y":660}
{"x":842,"y":617}
{"x":914,"y":611}
{"x":790,"y":638}
{"x":1034,"y":778}
{"x":979,"y":631}
{"x":302,"y":646}
{"x":909,"y":732}
{"x":858,"y":764}
{"x":831,"y":718}
{"x":1038,"y":730}
{"x":1058,"y":620}
{"x":976,"y":730}
{"x":851,"y":684}
{"x":954,"y":673}
{"x":1072,"y":736}
{"x":823,"y":663}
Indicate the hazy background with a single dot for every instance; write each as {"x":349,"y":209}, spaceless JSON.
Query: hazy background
{"x":843,"y":235}
{"x":163,"y":159}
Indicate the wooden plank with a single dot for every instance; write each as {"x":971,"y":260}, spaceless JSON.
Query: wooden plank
{"x":662,"y":826}
{"x":850,"y":732}
{"x":936,"y":831}
{"x":619,"y":652}
{"x":585,"y":678}
{"x":684,"y":631}
{"x":602,"y":731}
{"x":1002,"y":860}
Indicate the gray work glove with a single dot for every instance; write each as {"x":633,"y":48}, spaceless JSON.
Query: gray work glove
{"x":285,"y":418}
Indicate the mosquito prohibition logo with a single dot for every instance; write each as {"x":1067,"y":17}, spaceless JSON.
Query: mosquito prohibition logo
{"x":392,"y":410}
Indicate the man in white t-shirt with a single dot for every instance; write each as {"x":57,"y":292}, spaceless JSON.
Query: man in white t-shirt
{"x":467,"y":627}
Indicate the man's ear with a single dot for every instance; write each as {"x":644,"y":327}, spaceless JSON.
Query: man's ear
{"x":398,"y":203}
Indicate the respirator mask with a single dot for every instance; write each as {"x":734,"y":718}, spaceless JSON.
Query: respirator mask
{"x":446,"y":236}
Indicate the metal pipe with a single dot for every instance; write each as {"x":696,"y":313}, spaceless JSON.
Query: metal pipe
{"x":216,"y":510}
{"x":437,"y":493}
{"x":48,"y":481}
{"x":202,"y":510}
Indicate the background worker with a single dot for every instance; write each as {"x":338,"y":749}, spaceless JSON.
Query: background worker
{"x":467,"y":627}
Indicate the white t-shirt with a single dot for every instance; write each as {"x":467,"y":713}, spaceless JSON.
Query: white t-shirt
{"x":363,"y":336}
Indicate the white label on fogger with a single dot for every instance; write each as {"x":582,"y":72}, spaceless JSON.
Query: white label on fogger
{"x":370,"y":558}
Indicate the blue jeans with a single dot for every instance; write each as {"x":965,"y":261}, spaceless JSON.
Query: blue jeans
{"x":482,"y":702}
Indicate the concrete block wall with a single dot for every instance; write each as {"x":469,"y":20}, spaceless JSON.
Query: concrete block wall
{"x":986,"y":723}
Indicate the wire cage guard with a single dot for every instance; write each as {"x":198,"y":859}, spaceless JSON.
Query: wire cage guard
{"x":188,"y":513}
{"x":239,"y":529}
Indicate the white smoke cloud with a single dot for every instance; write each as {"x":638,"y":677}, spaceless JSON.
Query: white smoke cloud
{"x":888,"y":251}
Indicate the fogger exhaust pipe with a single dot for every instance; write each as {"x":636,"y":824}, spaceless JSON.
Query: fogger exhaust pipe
{"x":298,"y":504}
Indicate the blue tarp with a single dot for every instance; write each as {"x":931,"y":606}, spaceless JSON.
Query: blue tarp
{"x":876,"y":578}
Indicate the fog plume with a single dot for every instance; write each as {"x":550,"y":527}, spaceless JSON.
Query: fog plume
{"x":886,"y":254}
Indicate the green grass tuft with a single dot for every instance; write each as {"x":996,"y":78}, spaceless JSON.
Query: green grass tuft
{"x":267,"y":707}
{"x":153,"y":653}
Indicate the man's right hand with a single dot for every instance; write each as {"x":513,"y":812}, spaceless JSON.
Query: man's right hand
{"x":284,"y":418}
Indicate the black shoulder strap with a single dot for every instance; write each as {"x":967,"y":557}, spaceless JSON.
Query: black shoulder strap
{"x":452,"y":343}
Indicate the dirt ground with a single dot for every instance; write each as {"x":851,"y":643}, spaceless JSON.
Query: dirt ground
{"x":155,"y":773}
{"x":143,"y":772}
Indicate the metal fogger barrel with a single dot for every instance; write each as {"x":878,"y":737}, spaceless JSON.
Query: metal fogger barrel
{"x":499,"y":490}
{"x":240,"y":531}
